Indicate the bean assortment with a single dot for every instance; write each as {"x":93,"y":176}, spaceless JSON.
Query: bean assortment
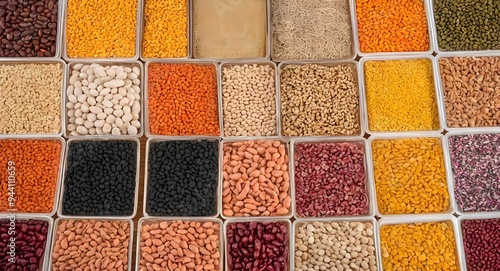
{"x":409,"y":176}
{"x":36,"y":164}
{"x":335,"y":246}
{"x":180,"y":245}
{"x":470,"y":87}
{"x":481,"y":239}
{"x":30,"y":98}
{"x":182,"y":99}
{"x":182,"y":178}
{"x":330,"y":179}
{"x":319,"y":100}
{"x":464,"y":25}
{"x":28,"y":28}
{"x":257,"y":246}
{"x":400,"y":95}
{"x":474,"y":161}
{"x":95,"y":188}
{"x":255,"y":179}
{"x":30,"y":239}
{"x":91,"y":244}
{"x":249,"y":100}
{"x":424,"y":246}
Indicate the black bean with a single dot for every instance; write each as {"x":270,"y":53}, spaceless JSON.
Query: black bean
{"x":17,"y":18}
{"x":182,"y":178}
{"x":100,"y":178}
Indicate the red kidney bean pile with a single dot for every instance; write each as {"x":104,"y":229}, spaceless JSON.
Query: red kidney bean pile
{"x":330,"y":179}
{"x":482,"y":244}
{"x":475,"y":160}
{"x":257,"y":246}
{"x":23,"y":240}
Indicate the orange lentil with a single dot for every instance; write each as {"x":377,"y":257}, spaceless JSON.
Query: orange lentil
{"x":36,"y":167}
{"x":182,"y":99}
{"x":392,"y":26}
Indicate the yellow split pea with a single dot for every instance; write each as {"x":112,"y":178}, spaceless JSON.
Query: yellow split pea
{"x":419,"y":246}
{"x":400,"y":95}
{"x":409,"y":176}
{"x":165,"y":29}
{"x":101,"y":28}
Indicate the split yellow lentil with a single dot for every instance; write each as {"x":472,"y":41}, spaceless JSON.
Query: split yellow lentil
{"x":419,"y":246}
{"x":165,"y":29}
{"x":409,"y":176}
{"x":400,"y":95}
{"x":101,"y":28}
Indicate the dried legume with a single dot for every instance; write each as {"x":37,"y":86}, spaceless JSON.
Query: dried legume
{"x":319,"y":100}
{"x":256,"y":181}
{"x":91,"y":244}
{"x":257,"y":245}
{"x":35,"y":164}
{"x":180,"y":245}
{"x":237,"y":29}
{"x":392,"y":26}
{"x":100,"y":178}
{"x":330,"y":179}
{"x":182,"y":99}
{"x":476,"y":171}
{"x":249,"y":100}
{"x":104,"y":100}
{"x":419,"y":246}
{"x":335,"y":246}
{"x":182,"y":178}
{"x":400,"y":95}
{"x":481,"y":239}
{"x":299,"y":25}
{"x":165,"y":29}
{"x":28,"y":28}
{"x":409,"y":176}
{"x":464,"y":25}
{"x":30,"y":95}
{"x":101,"y":28}
{"x":470,"y":87}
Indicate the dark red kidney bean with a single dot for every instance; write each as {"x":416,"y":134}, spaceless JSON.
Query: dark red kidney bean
{"x":481,"y":244}
{"x":255,"y":246}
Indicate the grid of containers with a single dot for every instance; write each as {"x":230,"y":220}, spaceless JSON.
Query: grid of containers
{"x":233,"y":74}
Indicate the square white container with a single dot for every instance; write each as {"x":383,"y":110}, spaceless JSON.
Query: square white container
{"x":59,"y":181}
{"x":138,"y":31}
{"x":439,"y":98}
{"x":460,"y":236}
{"x":356,"y":69}
{"x":451,"y":175}
{"x":353,"y":40}
{"x":42,"y":60}
{"x":143,"y":25}
{"x":371,"y":174}
{"x":171,"y":219}
{"x":430,"y":31}
{"x":146,"y":176}
{"x":45,"y":259}
{"x":230,"y":3}
{"x":441,"y":87}
{"x":437,"y":49}
{"x":57,"y":42}
{"x":103,"y":219}
{"x":422,"y":219}
{"x":360,"y":141}
{"x":365,"y":219}
{"x":146,"y":100}
{"x":60,"y":213}
{"x":221,"y":179}
{"x":287,"y":222}
{"x":221,"y":91}
{"x":104,"y":63}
